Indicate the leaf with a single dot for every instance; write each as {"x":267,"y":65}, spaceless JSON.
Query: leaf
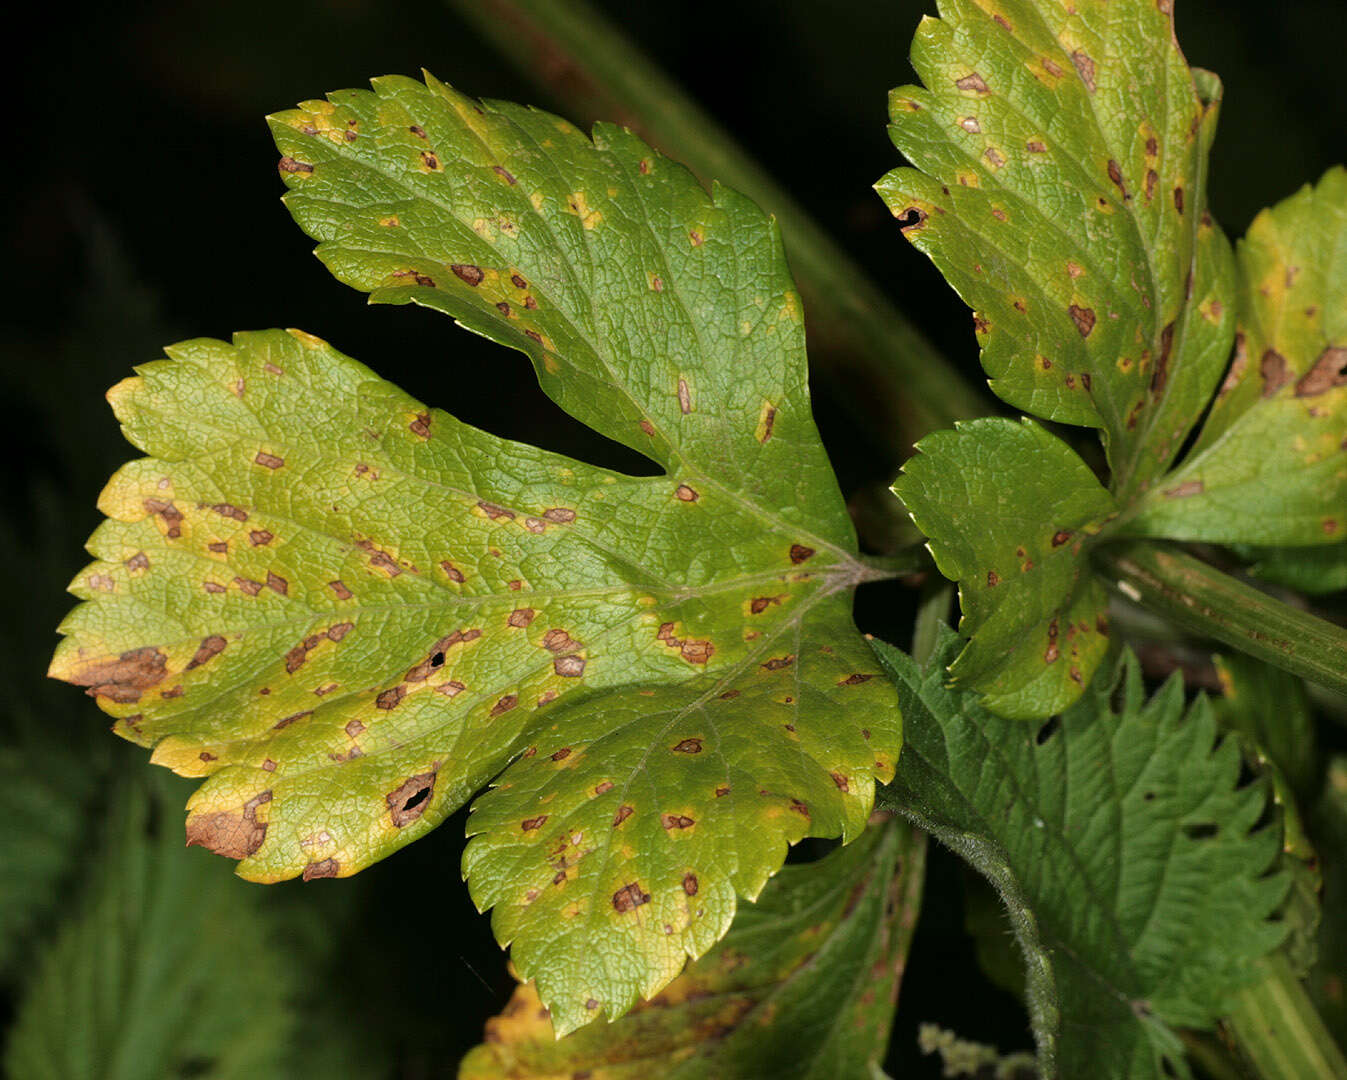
{"x":350,"y":611}
{"x":1314,"y":570}
{"x":1328,"y":981}
{"x":802,"y":986}
{"x":1009,"y":509}
{"x":1062,"y":155}
{"x":1136,"y":878}
{"x":1270,"y":465}
{"x":169,"y":968}
{"x":1272,"y":708}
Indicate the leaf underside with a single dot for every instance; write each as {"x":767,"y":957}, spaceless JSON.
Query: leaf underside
{"x":349,"y":611}
{"x":1136,"y":875}
{"x":802,"y":987}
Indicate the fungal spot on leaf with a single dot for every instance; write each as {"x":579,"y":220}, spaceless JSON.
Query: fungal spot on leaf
{"x":686,"y":494}
{"x":290,"y":165}
{"x":454,"y":573}
{"x":1152,"y":178}
{"x":325,"y":869}
{"x":137,"y":562}
{"x":409,"y":801}
{"x":530,"y":824}
{"x":169,"y":514}
{"x":1161,"y":374}
{"x":766,"y":420}
{"x":684,"y":397}
{"x":390,"y":699}
{"x":1178,"y":198}
{"x":235,"y":836}
{"x":429,"y":161}
{"x":521,"y":616}
{"x":994,"y":157}
{"x":855,"y":679}
{"x":696,"y":238}
{"x":623,"y":812}
{"x":1115,"y":175}
{"x":697,"y":652}
{"x":467,"y":273}
{"x":504,"y":705}
{"x":688,"y":746}
{"x":676,"y":821}
{"x":1084,"y":68}
{"x":973,"y":82}
{"x":993,"y":579}
{"x":260,"y":537}
{"x":799,"y":807}
{"x":277,"y":584}
{"x":340,"y":590}
{"x":778,"y":663}
{"x":1060,"y":537}
{"x":558,"y":641}
{"x":418,"y":131}
{"x":248,"y":585}
{"x":841,"y":782}
{"x":630,"y":897}
{"x":421,"y":425}
{"x":759,"y":604}
{"x":209,"y":648}
{"x":799,"y":553}
{"x":1034,"y":146}
{"x":562,"y":515}
{"x":354,"y":728}
{"x":911,"y":219}
{"x":970,"y":124}
{"x":1329,"y":372}
{"x":569,"y":667}
{"x":722,"y":791}
{"x":690,"y":884}
{"x":1083,"y":317}
{"x":124,"y":679}
{"x":230,"y":511}
{"x":495,"y":512}
{"x":1184,"y":490}
{"x":285,"y":723}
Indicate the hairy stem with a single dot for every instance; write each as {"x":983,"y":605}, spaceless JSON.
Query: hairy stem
{"x":895,"y":383}
{"x":1201,"y":599}
{"x":1278,"y":1030}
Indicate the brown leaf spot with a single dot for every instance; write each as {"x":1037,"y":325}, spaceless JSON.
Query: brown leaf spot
{"x":759,"y":604}
{"x":418,"y":131}
{"x":455,"y":574}
{"x":1060,"y":537}
{"x":765,"y":424}
{"x":1274,"y":371}
{"x":994,"y":157}
{"x":697,"y":652}
{"x":684,"y":397}
{"x":430,"y":161}
{"x":138,"y":561}
{"x":676,"y":821}
{"x":504,"y":174}
{"x":209,"y":648}
{"x":230,"y":511}
{"x":558,"y":640}
{"x":248,"y":585}
{"x":324,"y":869}
{"x":1152,"y":178}
{"x":1184,"y":490}
{"x":1083,"y":317}
{"x":799,"y":807}
{"x":123,"y":679}
{"x":686,"y":494}
{"x":268,"y":765}
{"x":1329,"y":371}
{"x":993,"y":579}
{"x":268,"y":461}
{"x":290,"y":720}
{"x":855,"y":679}
{"x":339,"y":631}
{"x":696,"y":238}
{"x":910,"y":220}
{"x":1178,"y":198}
{"x":495,"y":512}
{"x":841,"y":782}
{"x":562,"y":515}
{"x":569,"y":667}
{"x":1084,"y":68}
{"x":1161,"y":374}
{"x":235,"y":836}
{"x":421,"y":425}
{"x":521,"y":616}
{"x":529,"y":824}
{"x":169,"y":514}
{"x":277,"y":584}
{"x":467,"y":273}
{"x":973,"y":82}
{"x":799,"y":553}
{"x":409,"y":801}
{"x":630,"y":897}
{"x":689,"y":746}
{"x":1115,"y":175}
{"x":290,"y":165}
{"x":777,"y":663}
{"x":260,"y":537}
{"x":1034,"y":146}
{"x":390,"y":698}
{"x":690,"y":885}
{"x":504,"y":705}
{"x":1330,"y":526}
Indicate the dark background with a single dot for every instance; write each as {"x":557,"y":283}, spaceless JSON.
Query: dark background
{"x":144,"y":208}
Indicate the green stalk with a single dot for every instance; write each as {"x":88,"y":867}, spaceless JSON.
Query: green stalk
{"x":1278,"y":1030}
{"x":1201,"y":599}
{"x":880,"y":366}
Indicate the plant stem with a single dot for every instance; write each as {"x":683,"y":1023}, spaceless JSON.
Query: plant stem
{"x":1201,"y":599}
{"x":881,"y":367}
{"x":1279,"y":1031}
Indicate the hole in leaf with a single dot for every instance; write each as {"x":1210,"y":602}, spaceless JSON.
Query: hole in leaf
{"x":1048,"y":730}
{"x":416,"y":800}
{"x":437,"y":660}
{"x":1203,"y":830}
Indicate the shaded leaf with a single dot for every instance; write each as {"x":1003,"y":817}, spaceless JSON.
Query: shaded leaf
{"x":1121,"y":844}
{"x":1009,"y":510}
{"x":803,"y":986}
{"x":1272,"y":708}
{"x":1327,"y":983}
{"x":350,"y":611}
{"x":1270,"y":465}
{"x":1062,"y":155}
{"x":1315,"y":570}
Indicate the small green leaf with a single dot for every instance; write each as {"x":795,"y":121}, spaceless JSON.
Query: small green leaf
{"x":802,"y":987}
{"x":1062,"y":155}
{"x":1315,"y":570}
{"x":1270,"y":465}
{"x":1129,"y":858}
{"x":350,"y":611}
{"x":1009,"y":510}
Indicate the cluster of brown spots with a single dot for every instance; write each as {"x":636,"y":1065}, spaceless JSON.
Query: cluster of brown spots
{"x":138,"y":561}
{"x":429,"y":161}
{"x":324,"y":869}
{"x":1083,"y":317}
{"x":695,"y":651}
{"x":417,"y":277}
{"x":1052,"y":653}
{"x":691,"y":745}
{"x":1274,"y":371}
{"x":230,"y":511}
{"x":296,"y":657}
{"x":1329,"y":372}
{"x":630,"y":897}
{"x":209,"y":648}
{"x":686,"y":494}
{"x":759,"y":604}
{"x":288,"y":164}
{"x":569,"y":667}
{"x":778,"y":663}
{"x":973,"y":82}
{"x":420,"y":426}
{"x":799,"y":807}
{"x":169,"y":514}
{"x":559,"y":641}
{"x":799,"y":553}
{"x":530,"y":824}
{"x":1184,"y":490}
{"x":235,"y":836}
{"x":623,"y":812}
{"x":993,"y":579}
{"x":1084,"y":68}
{"x":1161,"y":373}
{"x":676,"y":821}
{"x":409,"y":800}
{"x":287,"y":721}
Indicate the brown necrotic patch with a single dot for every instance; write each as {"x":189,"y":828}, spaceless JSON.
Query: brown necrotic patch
{"x":759,"y":604}
{"x":569,"y":667}
{"x":1274,"y":371}
{"x":468,"y":274}
{"x":288,"y":164}
{"x":504,"y":705}
{"x":558,"y":640}
{"x":973,"y":82}
{"x":277,"y":584}
{"x":1084,"y":68}
{"x":841,"y":782}
{"x":855,"y":679}
{"x":324,"y":869}
{"x":1083,"y":317}
{"x":1185,"y":490}
{"x":209,"y":648}
{"x":690,"y":884}
{"x":799,"y":553}
{"x":454,"y":573}
{"x":268,"y":461}
{"x":1328,"y":373}
{"x":686,"y":494}
{"x":138,"y":562}
{"x":167,"y":513}
{"x":391,"y":698}
{"x":692,"y":745}
{"x":409,"y":800}
{"x":229,"y":510}
{"x":623,"y":812}
{"x":521,"y":616}
{"x":420,"y":426}
{"x":124,"y":678}
{"x":630,"y":897}
{"x":676,"y":821}
{"x":533,"y":823}
{"x":777,"y":663}
{"x":235,"y":836}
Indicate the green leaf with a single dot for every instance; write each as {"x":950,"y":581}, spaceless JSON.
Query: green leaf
{"x":1314,"y":570}
{"x":1062,"y":155}
{"x":350,"y":611}
{"x":1009,"y":510}
{"x":1327,"y":983}
{"x":803,"y":986}
{"x":1128,"y":856}
{"x":170,"y":967}
{"x":1270,"y":465}
{"x":1272,"y":708}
